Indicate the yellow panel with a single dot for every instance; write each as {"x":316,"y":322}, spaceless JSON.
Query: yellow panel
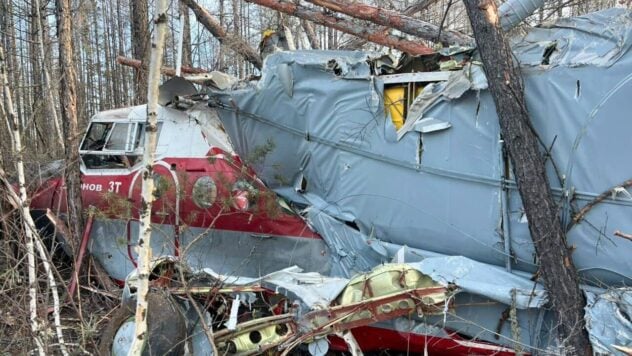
{"x":394,"y":99}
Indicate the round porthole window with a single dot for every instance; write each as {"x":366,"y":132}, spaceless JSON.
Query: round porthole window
{"x":204,"y":192}
{"x":244,"y":195}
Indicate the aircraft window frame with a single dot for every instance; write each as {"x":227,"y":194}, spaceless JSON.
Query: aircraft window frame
{"x":115,"y":159}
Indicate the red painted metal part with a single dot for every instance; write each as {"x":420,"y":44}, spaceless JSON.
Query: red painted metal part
{"x":98,"y":190}
{"x":82,"y":251}
{"x":372,"y":339}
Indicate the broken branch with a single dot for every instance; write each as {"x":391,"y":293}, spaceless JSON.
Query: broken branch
{"x":136,"y":63}
{"x":233,"y":42}
{"x":623,"y":235}
{"x":598,"y":199}
{"x":395,"y":20}
{"x":357,"y":43}
{"x":367,"y":32}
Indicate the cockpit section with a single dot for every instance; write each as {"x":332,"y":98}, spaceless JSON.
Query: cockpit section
{"x":113,"y":145}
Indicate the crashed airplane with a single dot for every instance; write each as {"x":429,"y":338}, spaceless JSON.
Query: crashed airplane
{"x":345,"y":202}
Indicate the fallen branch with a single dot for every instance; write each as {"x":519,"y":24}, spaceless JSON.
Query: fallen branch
{"x":229,"y":40}
{"x":393,"y":19}
{"x":623,"y":235}
{"x":357,"y":43}
{"x":136,"y":63}
{"x":101,"y":292}
{"x":598,"y":199}
{"x":367,"y":32}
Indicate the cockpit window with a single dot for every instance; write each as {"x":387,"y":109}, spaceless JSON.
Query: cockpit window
{"x":95,"y":139}
{"x":110,"y":145}
{"x":118,"y":137}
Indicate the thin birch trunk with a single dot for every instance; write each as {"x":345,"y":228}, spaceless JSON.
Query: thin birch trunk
{"x":30,"y":253}
{"x":144,"y":238}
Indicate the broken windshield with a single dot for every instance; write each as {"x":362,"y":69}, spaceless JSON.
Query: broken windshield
{"x":110,"y":145}
{"x":97,"y":134}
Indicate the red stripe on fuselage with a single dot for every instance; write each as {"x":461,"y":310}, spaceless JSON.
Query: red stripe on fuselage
{"x":115,"y":197}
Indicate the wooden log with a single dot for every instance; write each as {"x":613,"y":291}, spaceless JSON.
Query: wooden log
{"x":366,"y":31}
{"x":231,"y":41}
{"x":136,"y":63}
{"x":396,"y":20}
{"x":556,"y":268}
{"x":357,"y":43}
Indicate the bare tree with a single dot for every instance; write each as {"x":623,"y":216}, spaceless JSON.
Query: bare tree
{"x":139,"y":15}
{"x":68,"y":101}
{"x":144,"y":238}
{"x":186,"y":39}
{"x":393,"y":19}
{"x":505,"y":84}
{"x":230,"y":40}
{"x":366,"y":31}
{"x":311,"y":34}
{"x":47,"y":85}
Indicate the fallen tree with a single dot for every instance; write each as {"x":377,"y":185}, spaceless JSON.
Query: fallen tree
{"x":368,"y":32}
{"x":357,"y":43}
{"x":556,"y":268}
{"x":396,"y":20}
{"x":171,"y":72}
{"x":231,"y":41}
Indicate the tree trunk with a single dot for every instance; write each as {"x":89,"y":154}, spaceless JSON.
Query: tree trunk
{"x":121,"y":51}
{"x":421,"y":5}
{"x":68,"y":102}
{"x":311,"y":34}
{"x":231,"y":41}
{"x":139,"y":17}
{"x":151,"y":128}
{"x":393,"y":19}
{"x":50,"y":102}
{"x":186,"y":39}
{"x":556,"y":267}
{"x":365,"y":31}
{"x":418,"y":6}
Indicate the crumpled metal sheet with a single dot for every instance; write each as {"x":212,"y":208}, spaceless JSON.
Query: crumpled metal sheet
{"x":311,"y":288}
{"x":212,"y":127}
{"x":351,"y":251}
{"x":485,"y":280}
{"x":441,"y":193}
{"x":598,"y":39}
{"x":608,"y":320}
{"x":471,"y":77}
